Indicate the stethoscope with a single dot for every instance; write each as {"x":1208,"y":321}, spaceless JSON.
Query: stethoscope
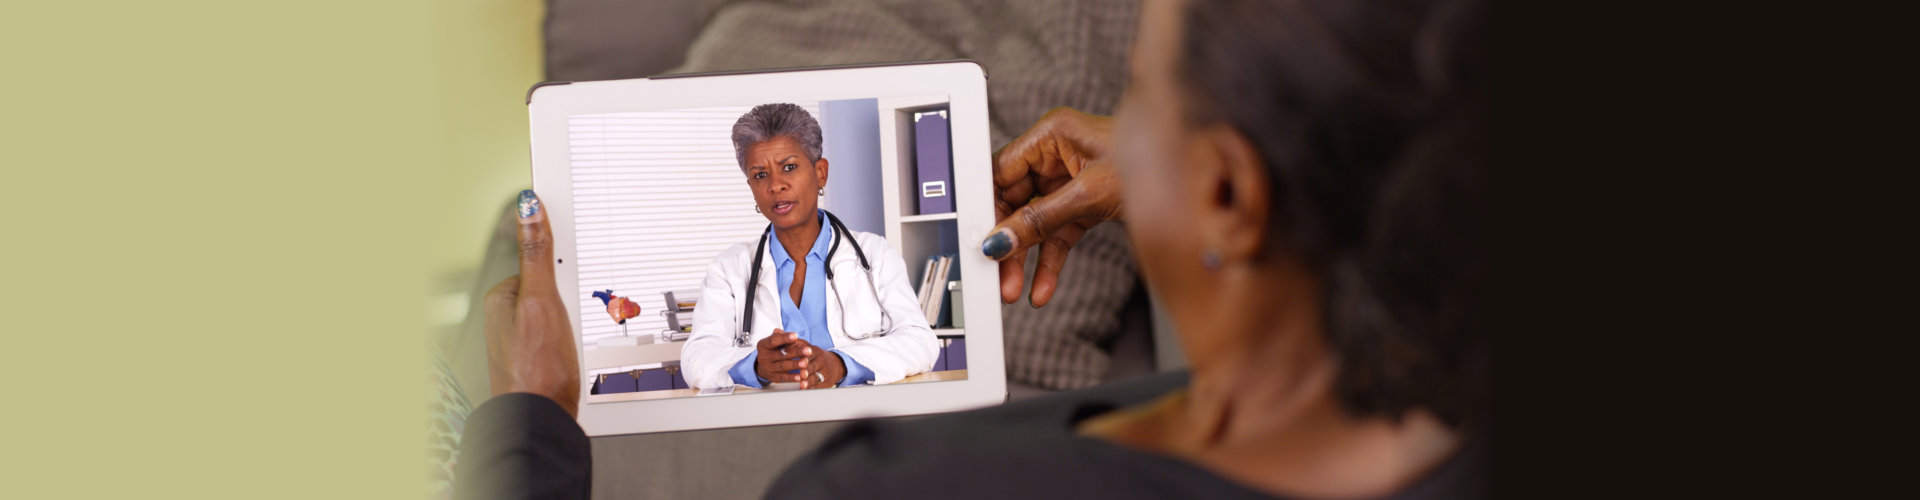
{"x":753,"y":285}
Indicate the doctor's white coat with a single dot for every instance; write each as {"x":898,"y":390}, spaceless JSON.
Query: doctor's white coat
{"x":908,"y":348}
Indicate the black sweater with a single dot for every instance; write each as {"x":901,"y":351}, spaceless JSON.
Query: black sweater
{"x":524,"y":446}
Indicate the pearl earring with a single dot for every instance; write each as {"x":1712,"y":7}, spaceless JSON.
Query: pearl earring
{"x":823,"y":191}
{"x":756,"y":209}
{"x":1210,"y":259}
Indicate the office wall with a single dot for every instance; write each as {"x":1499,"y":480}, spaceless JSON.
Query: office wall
{"x":852,"y":148}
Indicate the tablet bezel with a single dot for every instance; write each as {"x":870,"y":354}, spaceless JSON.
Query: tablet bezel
{"x":964,"y":82}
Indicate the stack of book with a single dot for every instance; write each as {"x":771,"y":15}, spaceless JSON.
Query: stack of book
{"x":934,"y":301}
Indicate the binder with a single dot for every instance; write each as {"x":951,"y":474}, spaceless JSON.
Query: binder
{"x":957,"y":354}
{"x":933,"y":160}
{"x":957,"y":306}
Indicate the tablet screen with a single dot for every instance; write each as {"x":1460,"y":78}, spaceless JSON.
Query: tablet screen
{"x":674,"y":209}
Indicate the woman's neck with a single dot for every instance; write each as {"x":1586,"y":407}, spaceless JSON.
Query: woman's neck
{"x":1279,"y":374}
{"x":798,"y":240}
{"x":1265,"y":413}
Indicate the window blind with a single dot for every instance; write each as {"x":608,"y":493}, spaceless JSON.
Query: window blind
{"x":657,"y":195}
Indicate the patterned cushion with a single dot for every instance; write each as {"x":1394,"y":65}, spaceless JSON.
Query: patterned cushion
{"x":1059,"y":346}
{"x":447,"y":410}
{"x":617,"y":39}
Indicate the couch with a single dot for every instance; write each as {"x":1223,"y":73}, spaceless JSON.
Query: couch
{"x":1112,"y":334}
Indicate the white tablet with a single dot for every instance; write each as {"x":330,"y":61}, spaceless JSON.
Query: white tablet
{"x":662,"y":211}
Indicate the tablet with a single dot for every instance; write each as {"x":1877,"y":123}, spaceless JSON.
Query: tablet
{"x":666,"y":193}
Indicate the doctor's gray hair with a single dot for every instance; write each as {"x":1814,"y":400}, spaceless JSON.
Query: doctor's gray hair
{"x":768,"y":121}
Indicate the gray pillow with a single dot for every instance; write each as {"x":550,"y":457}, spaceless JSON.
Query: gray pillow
{"x":1038,"y":54}
{"x":618,"y":39}
{"x":1059,"y":346}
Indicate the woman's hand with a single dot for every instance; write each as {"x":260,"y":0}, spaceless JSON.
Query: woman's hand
{"x":1052,"y":183}
{"x":530,"y":344}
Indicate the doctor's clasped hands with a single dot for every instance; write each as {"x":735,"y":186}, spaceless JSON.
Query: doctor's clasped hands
{"x":785,"y":357}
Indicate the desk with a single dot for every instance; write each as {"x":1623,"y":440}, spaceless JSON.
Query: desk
{"x":688,"y":393}
{"x":935,"y":377}
{"x":605,"y":357}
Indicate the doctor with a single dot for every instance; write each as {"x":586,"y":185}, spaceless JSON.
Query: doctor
{"x":828,"y":307}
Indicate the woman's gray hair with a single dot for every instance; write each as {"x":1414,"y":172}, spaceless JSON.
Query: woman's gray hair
{"x":768,"y":121}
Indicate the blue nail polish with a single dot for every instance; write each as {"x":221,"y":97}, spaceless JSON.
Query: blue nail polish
{"x":998,"y":245}
{"x":529,"y":204}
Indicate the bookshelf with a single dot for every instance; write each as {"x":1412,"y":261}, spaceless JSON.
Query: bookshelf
{"x":933,"y":217}
{"x":914,"y":235}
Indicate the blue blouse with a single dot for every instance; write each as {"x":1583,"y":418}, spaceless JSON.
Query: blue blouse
{"x":809,"y":317}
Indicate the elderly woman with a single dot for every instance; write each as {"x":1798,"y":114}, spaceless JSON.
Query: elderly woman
{"x":817,"y":317}
{"x":1314,"y":172}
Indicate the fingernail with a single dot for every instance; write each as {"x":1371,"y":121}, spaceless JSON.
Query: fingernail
{"x":998,"y":245}
{"x":529,"y":203}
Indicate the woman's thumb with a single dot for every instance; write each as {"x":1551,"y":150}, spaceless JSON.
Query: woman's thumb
{"x":536,"y":244}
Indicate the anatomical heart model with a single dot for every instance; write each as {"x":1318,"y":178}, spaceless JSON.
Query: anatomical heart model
{"x":619,"y":308}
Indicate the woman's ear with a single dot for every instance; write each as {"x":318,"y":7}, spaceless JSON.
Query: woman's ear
{"x":1242,"y":194}
{"x":820,"y":170}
